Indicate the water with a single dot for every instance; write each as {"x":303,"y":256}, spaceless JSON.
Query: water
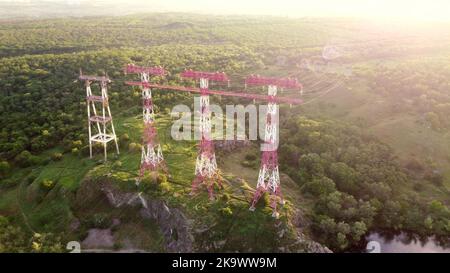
{"x":403,"y":243}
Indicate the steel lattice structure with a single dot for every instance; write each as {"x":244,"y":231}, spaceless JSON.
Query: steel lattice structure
{"x":206,"y":172}
{"x":269,"y":176}
{"x":151,"y":158}
{"x":103,"y":122}
{"x":206,"y":166}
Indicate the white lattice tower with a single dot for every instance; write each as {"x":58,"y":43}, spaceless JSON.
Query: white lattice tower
{"x":205,"y":166}
{"x":102,"y":123}
{"x":151,"y":157}
{"x":269,"y":177}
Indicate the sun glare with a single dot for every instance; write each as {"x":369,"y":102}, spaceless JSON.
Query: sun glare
{"x":406,"y":10}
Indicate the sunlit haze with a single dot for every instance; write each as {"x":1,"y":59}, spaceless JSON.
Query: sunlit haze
{"x":407,"y":10}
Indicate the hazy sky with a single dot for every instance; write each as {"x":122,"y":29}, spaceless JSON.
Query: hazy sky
{"x":405,"y":9}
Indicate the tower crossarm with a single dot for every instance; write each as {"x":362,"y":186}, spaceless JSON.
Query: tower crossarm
{"x":212,"y":76}
{"x":240,"y":94}
{"x":288,"y":83}
{"x":135,"y":69}
{"x":103,"y":79}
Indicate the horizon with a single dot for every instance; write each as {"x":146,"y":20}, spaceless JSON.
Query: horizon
{"x":380,"y":11}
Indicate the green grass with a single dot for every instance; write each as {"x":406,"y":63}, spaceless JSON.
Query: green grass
{"x":43,"y":210}
{"x":68,"y":172}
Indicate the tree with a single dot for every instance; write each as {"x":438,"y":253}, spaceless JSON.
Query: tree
{"x":24,"y":159}
{"x":57,"y":156}
{"x":12,"y":239}
{"x":75,"y":151}
{"x":358,"y":229}
{"x":344,"y":176}
{"x":125,"y":138}
{"x":4,"y":168}
{"x":311,"y":164}
{"x":320,"y":186}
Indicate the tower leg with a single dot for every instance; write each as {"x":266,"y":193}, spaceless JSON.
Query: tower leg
{"x":101,"y":135}
{"x":273,"y":203}
{"x":90,"y":140}
{"x":195,"y":184}
{"x":113,"y":131}
{"x":106,"y":152}
{"x":259,"y":192}
{"x":210,"y":186}
{"x":280,"y":195}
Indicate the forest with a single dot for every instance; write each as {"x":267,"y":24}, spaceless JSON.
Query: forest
{"x":370,"y":153}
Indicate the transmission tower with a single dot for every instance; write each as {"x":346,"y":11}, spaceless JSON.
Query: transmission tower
{"x":102,"y":122}
{"x":206,"y":166}
{"x":151,"y":158}
{"x":269,"y":176}
{"x":206,"y":171}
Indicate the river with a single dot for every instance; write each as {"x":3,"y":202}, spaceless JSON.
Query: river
{"x":403,"y":243}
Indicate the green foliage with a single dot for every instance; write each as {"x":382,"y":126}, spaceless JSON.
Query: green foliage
{"x":117,"y":164}
{"x":165,"y":186}
{"x":134,"y":147}
{"x":226,"y":197}
{"x":47,"y":184}
{"x":125,"y":138}
{"x":320,"y":186}
{"x":4,"y":168}
{"x":14,"y":239}
{"x":57,"y":156}
{"x":99,"y":220}
{"x":154,"y":181}
{"x":353,"y":181}
{"x":227,"y":211}
{"x":75,"y":151}
{"x":46,"y":243}
{"x":25,"y":159}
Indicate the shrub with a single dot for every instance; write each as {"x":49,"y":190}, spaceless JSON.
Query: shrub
{"x":134,"y":147}
{"x":165,"y":187}
{"x":75,"y":151}
{"x":100,"y":220}
{"x":226,"y":211}
{"x":226,"y":197}
{"x":117,"y":164}
{"x":57,"y":156}
{"x":24,"y":159}
{"x":77,"y":144}
{"x":47,"y":184}
{"x":125,"y":138}
{"x":4,"y":168}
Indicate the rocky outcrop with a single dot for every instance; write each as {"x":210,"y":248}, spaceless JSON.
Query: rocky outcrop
{"x":174,"y":225}
{"x":300,"y":222}
{"x":178,"y":231}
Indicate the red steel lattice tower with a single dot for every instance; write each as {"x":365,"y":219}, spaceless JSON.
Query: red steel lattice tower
{"x":102,"y":122}
{"x":269,"y":176}
{"x":151,"y":158}
{"x":206,"y":166}
{"x":206,"y":172}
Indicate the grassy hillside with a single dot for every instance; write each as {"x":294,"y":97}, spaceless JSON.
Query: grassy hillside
{"x":367,"y":150}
